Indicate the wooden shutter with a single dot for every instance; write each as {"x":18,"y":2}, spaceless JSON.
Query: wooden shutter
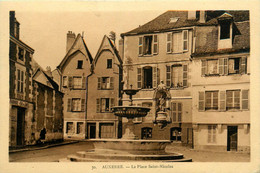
{"x":203,"y":67}
{"x":214,"y":128}
{"x":70,"y":81}
{"x":98,"y":105}
{"x":245,"y":100}
{"x":179,"y":112}
{"x":140,"y":46}
{"x":83,"y":105}
{"x":154,"y":77}
{"x":83,"y":82}
{"x":139,"y":78}
{"x":201,"y":101}
{"x":222,"y":100}
{"x":168,"y":76}
{"x":185,"y":75}
{"x":158,"y":76}
{"x":169,"y":43}
{"x":155,"y":44}
{"x":111,"y":82}
{"x":225,"y":66}
{"x":99,"y":83}
{"x":185,"y":40}
{"x":243,"y":64}
{"x":209,"y":133}
{"x":174,"y":111}
{"x":112,"y":103}
{"x":69,"y":106}
{"x":221,"y":66}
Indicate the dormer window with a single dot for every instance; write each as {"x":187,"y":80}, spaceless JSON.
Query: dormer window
{"x":173,"y":19}
{"x":225,"y":29}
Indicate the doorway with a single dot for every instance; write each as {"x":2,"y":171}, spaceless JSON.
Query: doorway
{"x":176,"y":134}
{"x":92,"y":131}
{"x":20,"y":126}
{"x":232,"y":138}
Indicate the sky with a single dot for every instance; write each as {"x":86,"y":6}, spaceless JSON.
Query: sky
{"x":46,"y":32}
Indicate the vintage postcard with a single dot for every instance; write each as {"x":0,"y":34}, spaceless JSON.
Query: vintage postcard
{"x":130,"y":86}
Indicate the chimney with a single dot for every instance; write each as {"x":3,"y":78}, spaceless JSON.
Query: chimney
{"x":14,"y":25}
{"x":70,"y":40}
{"x":191,"y":15}
{"x":202,"y":16}
{"x":121,"y":48}
{"x":48,"y":71}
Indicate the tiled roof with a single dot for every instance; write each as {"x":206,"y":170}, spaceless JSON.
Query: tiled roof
{"x":161,"y":23}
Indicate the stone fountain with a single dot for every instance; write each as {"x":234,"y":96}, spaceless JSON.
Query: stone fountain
{"x":129,"y":148}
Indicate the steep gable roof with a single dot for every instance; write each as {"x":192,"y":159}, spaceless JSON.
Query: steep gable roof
{"x":79,"y":45}
{"x":161,"y":23}
{"x":107,"y":44}
{"x":45,"y":79}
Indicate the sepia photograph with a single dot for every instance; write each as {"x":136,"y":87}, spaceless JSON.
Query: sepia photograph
{"x":130,"y":89}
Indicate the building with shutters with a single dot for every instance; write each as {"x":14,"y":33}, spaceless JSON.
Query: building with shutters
{"x":161,"y":50}
{"x":20,"y":88}
{"x":104,"y":86}
{"x":220,"y":86}
{"x":203,"y":58}
{"x":73,"y":73}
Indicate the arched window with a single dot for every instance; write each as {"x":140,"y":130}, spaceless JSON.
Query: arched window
{"x":146,"y":132}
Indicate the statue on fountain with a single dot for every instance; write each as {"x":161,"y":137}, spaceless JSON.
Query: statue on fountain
{"x":161,"y":96}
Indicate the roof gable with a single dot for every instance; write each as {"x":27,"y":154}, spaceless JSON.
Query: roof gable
{"x":41,"y":77}
{"x":107,"y":44}
{"x":79,"y":45}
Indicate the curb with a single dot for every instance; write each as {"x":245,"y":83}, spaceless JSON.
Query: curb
{"x":44,"y":147}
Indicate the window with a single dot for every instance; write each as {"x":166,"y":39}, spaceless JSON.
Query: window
{"x":176,"y":110}
{"x":80,"y":128}
{"x":233,"y":65}
{"x":106,"y":83}
{"x":146,"y":133}
{"x":21,"y":54}
{"x":75,"y":104}
{"x":176,"y":134}
{"x":177,"y":76}
{"x":104,"y":104}
{"x":225,"y":29}
{"x":211,"y":100}
{"x":212,"y":133}
{"x":177,"y":41}
{"x":148,"y":45}
{"x":224,"y":66}
{"x":109,"y":63}
{"x":148,"y":77}
{"x":65,"y":81}
{"x":80,"y":64}
{"x":77,"y":82}
{"x":20,"y":81}
{"x":233,"y":99}
{"x":228,"y":100}
{"x":70,"y":127}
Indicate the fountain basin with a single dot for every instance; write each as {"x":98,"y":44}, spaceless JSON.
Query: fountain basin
{"x":130,"y":111}
{"x":131,"y":146}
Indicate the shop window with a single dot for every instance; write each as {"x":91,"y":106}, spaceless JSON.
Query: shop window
{"x":80,"y":128}
{"x":176,"y":134}
{"x":70,"y":127}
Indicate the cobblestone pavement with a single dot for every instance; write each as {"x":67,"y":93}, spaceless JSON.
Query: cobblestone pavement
{"x":53,"y":154}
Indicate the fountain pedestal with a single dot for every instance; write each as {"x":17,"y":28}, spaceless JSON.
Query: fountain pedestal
{"x":129,"y":131}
